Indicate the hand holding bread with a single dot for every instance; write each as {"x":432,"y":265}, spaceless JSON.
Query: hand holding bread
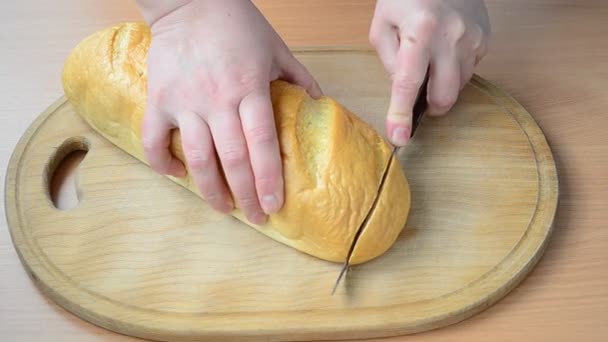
{"x":209,"y":68}
{"x":332,"y":161}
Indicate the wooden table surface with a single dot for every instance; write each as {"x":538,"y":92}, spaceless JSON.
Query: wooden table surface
{"x":550,"y":54}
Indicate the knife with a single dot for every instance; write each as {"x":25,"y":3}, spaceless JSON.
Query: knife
{"x":418,"y":110}
{"x":420,"y":105}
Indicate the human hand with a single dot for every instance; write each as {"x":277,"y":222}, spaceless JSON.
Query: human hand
{"x":450,"y":36}
{"x":210,"y":65}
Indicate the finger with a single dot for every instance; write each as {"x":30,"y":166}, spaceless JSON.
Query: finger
{"x":294,"y":72}
{"x":230,"y":144}
{"x":260,"y":133}
{"x":444,"y":83}
{"x":385,"y":39}
{"x":202,"y":164}
{"x":156,"y":138}
{"x":410,"y":71}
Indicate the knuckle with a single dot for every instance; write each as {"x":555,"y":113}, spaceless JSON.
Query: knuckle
{"x":444,"y":101}
{"x":148,"y":143}
{"x":248,"y":78}
{"x":216,"y":200}
{"x":373,"y":40}
{"x":230,"y":87}
{"x":212,"y":197}
{"x":158,"y":95}
{"x":307,"y":81}
{"x":234,"y":155}
{"x":457,"y":29}
{"x":243,"y":81}
{"x":268,"y":179}
{"x":374,"y":36}
{"x":184,"y":94}
{"x":248,"y":202}
{"x":227,"y":93}
{"x":197,"y":158}
{"x":425,"y":24}
{"x":245,"y":194}
{"x":211,"y":187}
{"x":212,"y":89}
{"x":261,"y":134}
{"x":404,"y":84}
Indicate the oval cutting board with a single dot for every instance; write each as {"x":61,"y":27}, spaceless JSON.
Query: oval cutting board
{"x":142,"y":256}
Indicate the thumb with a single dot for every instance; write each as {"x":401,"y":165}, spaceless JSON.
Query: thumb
{"x":293,"y":71}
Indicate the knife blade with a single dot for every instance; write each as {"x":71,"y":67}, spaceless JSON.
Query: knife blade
{"x":421,"y":104}
{"x":418,"y":110}
{"x":360,"y":228}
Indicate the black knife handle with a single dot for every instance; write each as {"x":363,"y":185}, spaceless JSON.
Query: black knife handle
{"x":421,"y":104}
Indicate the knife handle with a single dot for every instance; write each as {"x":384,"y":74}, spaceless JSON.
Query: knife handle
{"x":421,"y":104}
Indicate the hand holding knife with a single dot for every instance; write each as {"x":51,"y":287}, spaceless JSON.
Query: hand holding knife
{"x":420,"y":107}
{"x":418,"y":110}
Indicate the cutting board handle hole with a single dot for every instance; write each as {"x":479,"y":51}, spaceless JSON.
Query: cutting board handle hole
{"x":62,"y":173}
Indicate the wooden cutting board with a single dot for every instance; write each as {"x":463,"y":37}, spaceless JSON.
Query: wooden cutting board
{"x":143,"y":256}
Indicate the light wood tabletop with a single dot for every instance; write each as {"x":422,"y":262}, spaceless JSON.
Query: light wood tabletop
{"x":549,"y":54}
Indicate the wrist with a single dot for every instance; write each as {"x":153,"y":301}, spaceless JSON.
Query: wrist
{"x":153,"y":10}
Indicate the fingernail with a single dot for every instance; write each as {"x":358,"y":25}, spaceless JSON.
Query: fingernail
{"x":226,"y":207}
{"x":270,"y":203}
{"x":258,"y":218}
{"x":179,"y":173}
{"x":177,"y":169}
{"x":400,"y":136}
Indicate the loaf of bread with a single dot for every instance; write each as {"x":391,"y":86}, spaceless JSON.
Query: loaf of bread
{"x":333,"y":161}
